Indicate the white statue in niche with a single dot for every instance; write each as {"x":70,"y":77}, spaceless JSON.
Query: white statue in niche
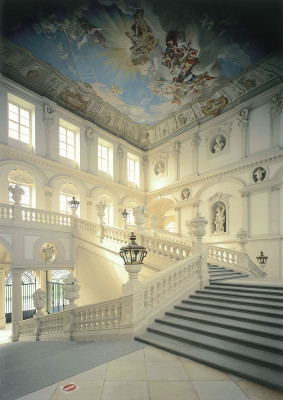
{"x":219,"y":219}
{"x":259,"y":174}
{"x":218,"y":145}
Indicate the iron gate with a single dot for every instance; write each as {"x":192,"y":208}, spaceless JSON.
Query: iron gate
{"x":27,"y":301}
{"x":55,"y":297}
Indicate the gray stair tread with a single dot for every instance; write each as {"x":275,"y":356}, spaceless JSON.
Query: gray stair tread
{"x":275,"y":360}
{"x":232,"y":293}
{"x":237,"y":324}
{"x":226,"y":278}
{"x":235,"y":307}
{"x":232,"y":314}
{"x":245,"y":285}
{"x":219,"y":273}
{"x":242,"y":290}
{"x":250,"y":370}
{"x":251,"y":302}
{"x":228,"y":333}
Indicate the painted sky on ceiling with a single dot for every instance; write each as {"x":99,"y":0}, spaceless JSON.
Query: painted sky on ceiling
{"x":147,"y":59}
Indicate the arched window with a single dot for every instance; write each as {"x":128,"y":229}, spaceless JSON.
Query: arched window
{"x":67,"y":191}
{"x":171,"y":227}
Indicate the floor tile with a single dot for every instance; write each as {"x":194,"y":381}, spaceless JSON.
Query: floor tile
{"x":177,"y":390}
{"x":126,"y":371}
{"x":218,"y":390}
{"x":42,"y":394}
{"x":201,"y":372}
{"x":162,"y":371}
{"x":94,"y":374}
{"x":125,"y":390}
{"x":154,"y":354}
{"x":85,"y":390}
{"x":259,"y":392}
{"x":134,"y":356}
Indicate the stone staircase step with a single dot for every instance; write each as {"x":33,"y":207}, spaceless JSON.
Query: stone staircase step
{"x":239,"y":315}
{"x":227,"y":277}
{"x":262,"y":286}
{"x":238,"y":350}
{"x":236,"y":300}
{"x":251,"y":338}
{"x":242,"y":294}
{"x":227,"y":306}
{"x":242,"y":288}
{"x":244,"y":368}
{"x":224,"y":273}
{"x":237,"y":325}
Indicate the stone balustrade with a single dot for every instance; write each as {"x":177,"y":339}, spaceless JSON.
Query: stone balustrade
{"x":120,"y":318}
{"x":6,"y":213}
{"x":237,"y":259}
{"x":18,"y":215}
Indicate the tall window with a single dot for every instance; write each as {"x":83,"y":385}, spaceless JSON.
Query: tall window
{"x":67,"y":144}
{"x":26,"y":197}
{"x":103,"y":158}
{"x":133,"y":169}
{"x":19,"y":123}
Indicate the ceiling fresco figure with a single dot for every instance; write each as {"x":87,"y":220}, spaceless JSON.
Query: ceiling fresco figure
{"x":146,"y":58}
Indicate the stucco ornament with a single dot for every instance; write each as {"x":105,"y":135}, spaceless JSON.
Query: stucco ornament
{"x":48,"y":253}
{"x":71,"y":289}
{"x":17,"y":192}
{"x":243,"y":119}
{"x":39,"y":297}
{"x":276,"y":106}
{"x":89,"y":135}
{"x":198,"y":225}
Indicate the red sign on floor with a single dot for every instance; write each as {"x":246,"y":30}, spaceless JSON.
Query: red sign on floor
{"x":70,"y":387}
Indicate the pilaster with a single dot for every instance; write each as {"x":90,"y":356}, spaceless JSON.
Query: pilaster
{"x":17,"y":313}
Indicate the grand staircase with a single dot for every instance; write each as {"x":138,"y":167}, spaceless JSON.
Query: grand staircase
{"x":232,"y":326}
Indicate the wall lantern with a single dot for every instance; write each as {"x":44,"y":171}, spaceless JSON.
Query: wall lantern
{"x":125,"y":214}
{"x":73,"y":204}
{"x":133,"y":253}
{"x":262,"y":259}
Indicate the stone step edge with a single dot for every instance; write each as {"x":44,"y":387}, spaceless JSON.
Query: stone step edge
{"x":231,"y":317}
{"x":237,"y":301}
{"x":226,"y":307}
{"x":256,"y":296}
{"x":217,"y":348}
{"x":222,"y":324}
{"x":223,"y":335}
{"x":257,"y":286}
{"x":226,"y":287}
{"x":224,"y":362}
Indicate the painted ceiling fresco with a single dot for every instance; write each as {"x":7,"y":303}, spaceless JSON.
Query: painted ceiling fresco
{"x":146,"y":58}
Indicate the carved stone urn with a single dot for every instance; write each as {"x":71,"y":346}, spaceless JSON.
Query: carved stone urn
{"x":39,"y":302}
{"x":242,"y":237}
{"x":17,"y":192}
{"x":198,"y":225}
{"x":101,"y":211}
{"x":71,"y":289}
{"x":138,"y":213}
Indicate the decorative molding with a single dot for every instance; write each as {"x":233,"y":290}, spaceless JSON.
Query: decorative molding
{"x":39,"y":162}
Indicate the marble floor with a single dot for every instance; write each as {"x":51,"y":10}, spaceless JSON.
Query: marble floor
{"x":153,"y":374}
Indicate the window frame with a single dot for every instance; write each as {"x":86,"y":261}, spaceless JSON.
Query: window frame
{"x":25,"y":107}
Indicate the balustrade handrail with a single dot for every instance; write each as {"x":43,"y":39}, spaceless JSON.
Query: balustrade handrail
{"x":114,"y":314}
{"x":237,"y":259}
